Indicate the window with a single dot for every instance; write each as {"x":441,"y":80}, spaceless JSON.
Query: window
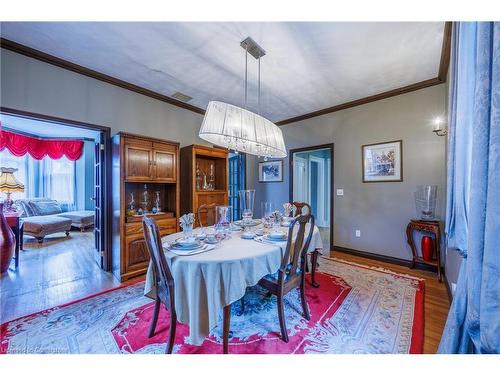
{"x":59,"y":179}
{"x":54,"y":179}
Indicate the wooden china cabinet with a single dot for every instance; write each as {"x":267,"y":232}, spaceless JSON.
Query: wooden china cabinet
{"x":142,"y":164}
{"x":203,"y":159}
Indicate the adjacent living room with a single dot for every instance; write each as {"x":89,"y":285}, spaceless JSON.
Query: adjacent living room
{"x":47,"y":171}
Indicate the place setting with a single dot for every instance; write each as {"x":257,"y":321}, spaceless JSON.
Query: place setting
{"x":189,"y":243}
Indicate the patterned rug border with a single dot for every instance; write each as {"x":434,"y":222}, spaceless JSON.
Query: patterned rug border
{"x":379,"y":269}
{"x":417,"y":340}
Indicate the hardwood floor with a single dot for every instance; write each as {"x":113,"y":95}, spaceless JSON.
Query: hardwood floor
{"x":436,"y":303}
{"x":58,"y":271}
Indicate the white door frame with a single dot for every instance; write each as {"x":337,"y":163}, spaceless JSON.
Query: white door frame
{"x":320,"y":189}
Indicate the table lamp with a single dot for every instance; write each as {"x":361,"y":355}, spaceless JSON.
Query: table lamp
{"x":9,"y":185}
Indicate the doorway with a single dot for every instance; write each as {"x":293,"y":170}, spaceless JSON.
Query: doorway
{"x":311,"y":181}
{"x":71,"y":259}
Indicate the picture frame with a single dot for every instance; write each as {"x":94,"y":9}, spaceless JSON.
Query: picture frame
{"x":271,"y":171}
{"x":382,"y":162}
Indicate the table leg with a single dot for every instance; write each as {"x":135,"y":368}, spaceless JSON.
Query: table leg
{"x":225,"y":331}
{"x":314,"y":265}
{"x":21,"y":238}
{"x":16,"y":251}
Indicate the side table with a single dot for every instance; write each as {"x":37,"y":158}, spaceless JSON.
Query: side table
{"x":16,"y":224}
{"x":426,"y":227}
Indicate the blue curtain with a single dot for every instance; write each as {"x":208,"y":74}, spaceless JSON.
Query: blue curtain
{"x":473,"y":207}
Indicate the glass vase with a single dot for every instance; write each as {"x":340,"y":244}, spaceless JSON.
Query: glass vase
{"x":425,"y":202}
{"x":187,"y":231}
{"x":247,"y":199}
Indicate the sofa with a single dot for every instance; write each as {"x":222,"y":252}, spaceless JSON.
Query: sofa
{"x":43,"y":216}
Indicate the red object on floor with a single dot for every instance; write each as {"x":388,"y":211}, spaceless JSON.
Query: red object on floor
{"x":427,"y":246}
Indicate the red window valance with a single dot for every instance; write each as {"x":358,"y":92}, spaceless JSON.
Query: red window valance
{"x":19,"y":145}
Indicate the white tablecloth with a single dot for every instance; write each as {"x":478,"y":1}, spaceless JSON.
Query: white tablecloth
{"x":206,"y":282}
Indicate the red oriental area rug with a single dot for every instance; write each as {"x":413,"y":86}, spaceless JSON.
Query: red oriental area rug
{"x":357,"y":309}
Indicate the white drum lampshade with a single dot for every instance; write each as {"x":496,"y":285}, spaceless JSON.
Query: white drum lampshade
{"x":238,"y":129}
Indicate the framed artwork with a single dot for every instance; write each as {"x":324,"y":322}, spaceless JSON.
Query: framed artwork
{"x":271,"y":171}
{"x":383,"y":162}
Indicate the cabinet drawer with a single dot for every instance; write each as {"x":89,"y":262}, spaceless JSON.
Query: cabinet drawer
{"x":218,"y":198}
{"x":170,"y":225}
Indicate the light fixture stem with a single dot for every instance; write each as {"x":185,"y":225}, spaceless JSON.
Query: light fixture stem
{"x":246,"y":74}
{"x":259,"y":88}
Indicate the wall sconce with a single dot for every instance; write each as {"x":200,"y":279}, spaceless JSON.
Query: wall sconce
{"x":440,"y":130}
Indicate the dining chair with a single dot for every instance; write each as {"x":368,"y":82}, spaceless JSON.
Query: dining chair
{"x":163,"y":280}
{"x":290,"y":274}
{"x":208,"y":211}
{"x":299,"y":208}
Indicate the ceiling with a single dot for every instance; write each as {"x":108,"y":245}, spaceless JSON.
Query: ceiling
{"x":308,"y":66}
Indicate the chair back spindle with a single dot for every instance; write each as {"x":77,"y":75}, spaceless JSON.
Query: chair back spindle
{"x":296,"y":248}
{"x":206,"y":211}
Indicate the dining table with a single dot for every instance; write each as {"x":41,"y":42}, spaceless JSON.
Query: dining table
{"x":207,"y":283}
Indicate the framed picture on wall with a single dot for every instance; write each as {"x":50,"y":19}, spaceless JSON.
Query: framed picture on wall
{"x":383,"y":162}
{"x":271,"y":171}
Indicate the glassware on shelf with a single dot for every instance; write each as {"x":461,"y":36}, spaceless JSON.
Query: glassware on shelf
{"x":198,"y":177}
{"x":205,"y":184}
{"x":425,"y":202}
{"x":131,"y":205}
{"x":211,"y":178}
{"x":247,"y":199}
{"x":145,"y":199}
{"x":157,"y":206}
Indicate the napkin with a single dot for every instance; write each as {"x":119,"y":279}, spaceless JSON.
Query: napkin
{"x":186,"y":220}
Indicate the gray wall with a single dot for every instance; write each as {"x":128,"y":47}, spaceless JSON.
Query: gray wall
{"x":380,"y":210}
{"x":34,"y":86}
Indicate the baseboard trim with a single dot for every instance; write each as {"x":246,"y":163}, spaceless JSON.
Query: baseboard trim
{"x":385,"y":258}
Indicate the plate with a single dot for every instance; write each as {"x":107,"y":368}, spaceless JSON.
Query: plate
{"x":252,"y":223}
{"x":248,"y":236}
{"x":279,"y":239}
{"x":214,"y":241}
{"x":179,"y":245}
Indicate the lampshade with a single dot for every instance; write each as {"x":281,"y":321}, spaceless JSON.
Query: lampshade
{"x":8,"y":182}
{"x":238,"y":129}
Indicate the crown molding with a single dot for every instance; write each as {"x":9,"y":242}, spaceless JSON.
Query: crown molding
{"x":53,"y":60}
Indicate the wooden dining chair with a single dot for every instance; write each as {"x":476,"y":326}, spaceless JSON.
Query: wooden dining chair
{"x":163,"y":280}
{"x":206,"y":211}
{"x":291,"y":274}
{"x":300,"y":207}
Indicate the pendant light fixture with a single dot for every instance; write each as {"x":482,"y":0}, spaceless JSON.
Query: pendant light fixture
{"x":239,"y":129}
